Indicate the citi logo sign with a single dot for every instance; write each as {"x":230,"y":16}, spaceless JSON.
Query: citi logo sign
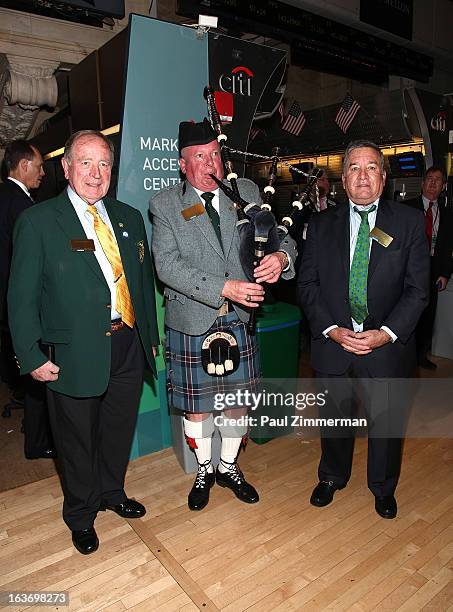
{"x":439,"y":122}
{"x":239,"y":82}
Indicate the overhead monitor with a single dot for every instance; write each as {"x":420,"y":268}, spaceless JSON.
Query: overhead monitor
{"x":405,"y":165}
{"x":74,"y":10}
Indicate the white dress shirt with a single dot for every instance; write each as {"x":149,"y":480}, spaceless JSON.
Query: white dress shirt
{"x":354,"y":225}
{"x":87,"y":221}
{"x":215,"y":200}
{"x":21,"y":185}
{"x":435,"y":211}
{"x":322,"y":202}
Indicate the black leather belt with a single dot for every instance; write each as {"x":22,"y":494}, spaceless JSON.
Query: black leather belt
{"x":117,"y":324}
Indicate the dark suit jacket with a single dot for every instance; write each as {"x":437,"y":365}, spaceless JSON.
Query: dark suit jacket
{"x":60,"y":296}
{"x":442,"y":262}
{"x":296,"y":231}
{"x":13,"y":200}
{"x":397,"y":287}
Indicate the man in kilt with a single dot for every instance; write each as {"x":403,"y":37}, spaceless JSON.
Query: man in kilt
{"x":195,"y":245}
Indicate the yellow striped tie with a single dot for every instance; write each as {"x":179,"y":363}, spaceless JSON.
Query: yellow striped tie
{"x":112,"y":252}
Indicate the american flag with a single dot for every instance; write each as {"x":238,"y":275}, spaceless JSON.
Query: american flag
{"x":294,"y":120}
{"x":254,"y":131}
{"x":346,"y":113}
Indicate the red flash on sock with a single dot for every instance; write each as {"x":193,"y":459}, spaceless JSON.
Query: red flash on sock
{"x":244,"y":441}
{"x":191,"y":442}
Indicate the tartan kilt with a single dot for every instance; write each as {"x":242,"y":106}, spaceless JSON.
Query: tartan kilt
{"x":189,"y":387}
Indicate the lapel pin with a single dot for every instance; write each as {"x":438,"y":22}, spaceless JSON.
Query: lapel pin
{"x":141,"y":250}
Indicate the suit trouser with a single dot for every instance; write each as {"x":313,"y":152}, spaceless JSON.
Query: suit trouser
{"x":94,"y":435}
{"x":424,"y":330}
{"x":38,"y":435}
{"x":9,"y":371}
{"x":386,"y":421}
{"x":37,"y":431}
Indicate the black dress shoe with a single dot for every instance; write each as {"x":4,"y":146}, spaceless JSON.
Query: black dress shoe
{"x":128,"y":509}
{"x":234,"y":480}
{"x":323,"y":493}
{"x":386,"y":506}
{"x":48,"y":453}
{"x":85,"y":540}
{"x":199,"y":494}
{"x":425,"y":363}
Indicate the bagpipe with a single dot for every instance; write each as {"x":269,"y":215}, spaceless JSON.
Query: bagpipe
{"x":259,"y":232}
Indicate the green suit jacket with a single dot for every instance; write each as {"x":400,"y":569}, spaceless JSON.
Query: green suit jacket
{"x":59,"y":296}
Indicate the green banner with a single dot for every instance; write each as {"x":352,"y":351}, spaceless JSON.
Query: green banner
{"x":167,"y":69}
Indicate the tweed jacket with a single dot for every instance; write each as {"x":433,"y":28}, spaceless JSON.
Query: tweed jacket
{"x":190,"y":261}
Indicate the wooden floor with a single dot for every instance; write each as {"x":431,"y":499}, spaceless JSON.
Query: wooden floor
{"x":280,"y":554}
{"x":15,"y":469}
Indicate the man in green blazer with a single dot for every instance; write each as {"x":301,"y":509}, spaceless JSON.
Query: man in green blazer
{"x":82,"y":316}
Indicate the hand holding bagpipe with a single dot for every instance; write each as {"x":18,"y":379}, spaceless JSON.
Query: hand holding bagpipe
{"x":257,"y":230}
{"x":267,"y":269}
{"x":256,"y":224}
{"x":243,"y":292}
{"x":260,"y":239}
{"x":258,"y":245}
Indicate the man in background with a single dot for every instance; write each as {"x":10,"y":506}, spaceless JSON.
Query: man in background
{"x":439,"y":233}
{"x":324,"y":200}
{"x":319,"y":200}
{"x":23,"y":170}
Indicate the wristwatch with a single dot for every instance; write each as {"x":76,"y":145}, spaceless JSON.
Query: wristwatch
{"x":285,"y":262}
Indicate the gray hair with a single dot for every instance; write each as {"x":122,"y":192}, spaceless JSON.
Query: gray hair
{"x":362,"y":144}
{"x":69,"y":146}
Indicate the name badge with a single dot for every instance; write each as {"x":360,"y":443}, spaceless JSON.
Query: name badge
{"x":86,"y":244}
{"x":381,"y":237}
{"x":193,"y":211}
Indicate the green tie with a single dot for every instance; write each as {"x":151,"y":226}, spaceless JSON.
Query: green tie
{"x":212,"y":213}
{"x":358,"y":275}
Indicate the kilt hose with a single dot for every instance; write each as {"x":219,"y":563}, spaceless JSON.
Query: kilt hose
{"x":190,"y":388}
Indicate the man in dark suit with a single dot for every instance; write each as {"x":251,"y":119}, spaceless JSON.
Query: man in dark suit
{"x":81,"y":283}
{"x":363,"y":298}
{"x":439,"y":231}
{"x":23,"y":166}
